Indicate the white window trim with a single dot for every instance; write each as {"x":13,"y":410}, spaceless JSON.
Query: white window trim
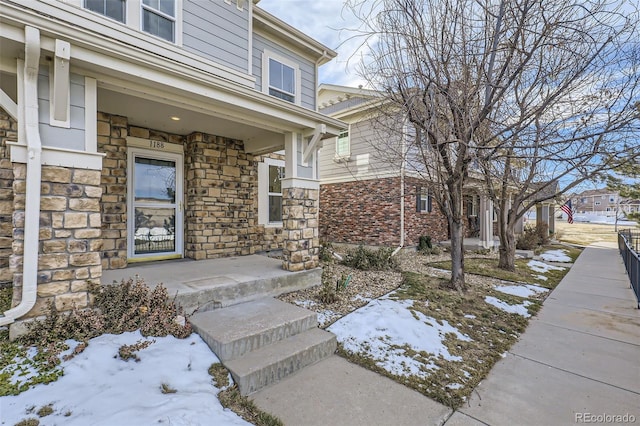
{"x":177,"y":19}
{"x":133,"y":18}
{"x":263,"y":192}
{"x":268,"y":54}
{"x":428,"y":200}
{"x":346,"y":156}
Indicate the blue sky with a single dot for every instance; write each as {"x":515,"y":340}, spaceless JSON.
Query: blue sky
{"x":322,"y":20}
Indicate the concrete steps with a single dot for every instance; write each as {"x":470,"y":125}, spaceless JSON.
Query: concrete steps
{"x":264,"y":340}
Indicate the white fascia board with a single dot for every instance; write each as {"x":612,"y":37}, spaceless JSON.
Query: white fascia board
{"x":286,"y":32}
{"x":80,"y":27}
{"x":52,"y":156}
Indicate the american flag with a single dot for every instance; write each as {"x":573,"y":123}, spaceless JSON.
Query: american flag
{"x":566,"y":207}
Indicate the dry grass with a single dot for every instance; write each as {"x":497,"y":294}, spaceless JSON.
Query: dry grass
{"x":584,"y":234}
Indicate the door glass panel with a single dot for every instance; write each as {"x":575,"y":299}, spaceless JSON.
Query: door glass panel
{"x":155,"y":181}
{"x":155,"y":230}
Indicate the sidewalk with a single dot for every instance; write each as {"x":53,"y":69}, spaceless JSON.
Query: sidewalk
{"x":579,"y":357}
{"x":577,"y":362}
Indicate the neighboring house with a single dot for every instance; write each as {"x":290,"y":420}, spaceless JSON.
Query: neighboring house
{"x":630,"y":206}
{"x":136,"y":130}
{"x":601,"y":202}
{"x":368,"y":194}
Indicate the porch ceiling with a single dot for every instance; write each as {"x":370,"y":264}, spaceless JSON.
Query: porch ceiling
{"x":156,"y":115}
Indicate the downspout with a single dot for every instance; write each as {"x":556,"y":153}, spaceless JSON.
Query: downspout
{"x":402,"y":171}
{"x":34,"y":171}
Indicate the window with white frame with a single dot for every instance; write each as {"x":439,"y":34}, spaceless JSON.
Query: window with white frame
{"x":280,"y":77}
{"x":159,"y":18}
{"x":343,"y":145}
{"x":424,"y":203}
{"x":114,"y":9}
{"x":270,"y":175}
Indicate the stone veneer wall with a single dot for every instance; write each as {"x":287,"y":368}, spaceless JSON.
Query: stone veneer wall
{"x":220,"y":212}
{"x":368,"y":212}
{"x":70,"y":236}
{"x":221,"y":194}
{"x":301,"y":234}
{"x":8,"y":132}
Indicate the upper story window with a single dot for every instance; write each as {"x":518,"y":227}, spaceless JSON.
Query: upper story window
{"x":159,"y":18}
{"x":343,"y":145}
{"x":280,"y":77}
{"x":114,"y":9}
{"x":282,"y":81}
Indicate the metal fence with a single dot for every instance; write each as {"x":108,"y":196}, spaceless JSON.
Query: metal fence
{"x":629,"y":243}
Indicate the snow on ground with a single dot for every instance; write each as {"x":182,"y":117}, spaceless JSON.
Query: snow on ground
{"x":381,"y":329}
{"x":99,"y":388}
{"x":513,"y":309}
{"x":326,"y":316}
{"x":526,"y":290}
{"x":542,"y":267}
{"x":555,"y":256}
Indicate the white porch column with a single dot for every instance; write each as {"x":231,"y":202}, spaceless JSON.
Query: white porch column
{"x":486,"y":222}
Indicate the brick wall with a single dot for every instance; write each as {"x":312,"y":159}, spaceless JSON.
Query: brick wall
{"x":368,"y":212}
{"x":8,"y":132}
{"x":70,"y":236}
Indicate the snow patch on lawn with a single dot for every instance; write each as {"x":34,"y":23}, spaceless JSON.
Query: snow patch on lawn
{"x":99,"y":388}
{"x":520,"y":309}
{"x":542,"y":267}
{"x":555,"y":256}
{"x":384,"y":328}
{"x":526,"y":290}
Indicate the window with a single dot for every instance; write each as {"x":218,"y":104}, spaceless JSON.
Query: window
{"x":597,"y":203}
{"x":276,"y":174}
{"x":343,"y":147}
{"x":159,"y":18}
{"x":282,"y":81}
{"x":424,"y":202}
{"x":270,"y":175}
{"x":280,"y":77}
{"x":113,"y":9}
{"x":612,"y":199}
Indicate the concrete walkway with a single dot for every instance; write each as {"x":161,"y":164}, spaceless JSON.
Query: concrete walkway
{"x":579,"y":357}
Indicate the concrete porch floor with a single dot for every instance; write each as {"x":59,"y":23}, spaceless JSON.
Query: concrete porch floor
{"x":215,"y":283}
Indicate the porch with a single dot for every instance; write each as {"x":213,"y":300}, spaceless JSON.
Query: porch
{"x":216,"y":283}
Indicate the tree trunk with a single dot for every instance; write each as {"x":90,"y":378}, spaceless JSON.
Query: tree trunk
{"x":507,"y":246}
{"x":457,"y":256}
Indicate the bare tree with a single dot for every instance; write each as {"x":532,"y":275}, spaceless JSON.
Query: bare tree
{"x":511,"y":93}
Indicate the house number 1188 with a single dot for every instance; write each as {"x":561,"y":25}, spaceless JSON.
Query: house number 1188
{"x":156,"y":144}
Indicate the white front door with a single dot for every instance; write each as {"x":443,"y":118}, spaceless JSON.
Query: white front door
{"x":155,"y":216}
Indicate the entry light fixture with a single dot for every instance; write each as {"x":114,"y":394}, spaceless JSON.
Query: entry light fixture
{"x":174,"y":117}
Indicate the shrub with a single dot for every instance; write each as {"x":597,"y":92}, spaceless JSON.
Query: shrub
{"x":127,"y":306}
{"x":533,"y":236}
{"x":326,"y":252}
{"x":370,"y":260}
{"x":424,"y":243}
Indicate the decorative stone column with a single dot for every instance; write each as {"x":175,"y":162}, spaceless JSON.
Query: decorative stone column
{"x":70,"y":236}
{"x":300,"y":223}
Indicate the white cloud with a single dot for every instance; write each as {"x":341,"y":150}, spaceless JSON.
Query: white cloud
{"x":326,"y":21}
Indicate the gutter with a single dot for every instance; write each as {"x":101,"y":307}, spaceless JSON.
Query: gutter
{"x":402,"y":172}
{"x":34,"y":172}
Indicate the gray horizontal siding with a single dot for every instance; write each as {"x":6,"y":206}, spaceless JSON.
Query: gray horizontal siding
{"x":59,"y":137}
{"x":217,"y":31}
{"x":307,"y":68}
{"x":367,"y":155}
